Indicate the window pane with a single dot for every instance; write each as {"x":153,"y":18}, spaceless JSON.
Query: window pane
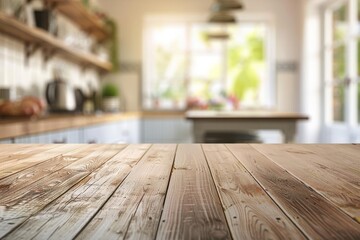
{"x":246,"y":63}
{"x":339,"y":61}
{"x":169,"y":65}
{"x":340,"y":26}
{"x":339,"y":103}
{"x":165,"y":76}
{"x":207,"y":66}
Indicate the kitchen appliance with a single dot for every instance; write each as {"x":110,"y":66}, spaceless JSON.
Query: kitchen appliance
{"x":80,"y":100}
{"x":60,"y":96}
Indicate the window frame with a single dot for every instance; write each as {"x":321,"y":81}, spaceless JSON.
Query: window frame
{"x":348,"y":128}
{"x":267,"y":19}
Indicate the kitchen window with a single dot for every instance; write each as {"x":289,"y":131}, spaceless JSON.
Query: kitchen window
{"x":184,"y":67}
{"x":341,"y":48}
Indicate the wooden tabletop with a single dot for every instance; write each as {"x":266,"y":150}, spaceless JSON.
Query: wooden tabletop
{"x":246,"y":115}
{"x":180,"y":191}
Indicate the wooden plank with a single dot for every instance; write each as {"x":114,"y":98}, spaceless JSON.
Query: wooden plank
{"x":192,"y":208}
{"x":24,"y":179}
{"x":84,"y":18}
{"x":16,"y":207}
{"x":346,"y":156}
{"x":21,"y":152}
{"x":13,"y":167}
{"x":331,"y":179}
{"x":67,"y":215}
{"x":6,"y":149}
{"x":133,"y":212}
{"x":250,"y":212}
{"x":312,"y":213}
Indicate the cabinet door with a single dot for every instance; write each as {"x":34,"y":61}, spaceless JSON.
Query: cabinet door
{"x":6,"y":141}
{"x":174,"y":130}
{"x":60,"y":137}
{"x":133,"y":131}
{"x":116,"y":132}
{"x":96,"y":134}
{"x":27,"y":140}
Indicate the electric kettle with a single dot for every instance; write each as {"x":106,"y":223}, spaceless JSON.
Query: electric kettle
{"x":60,"y":96}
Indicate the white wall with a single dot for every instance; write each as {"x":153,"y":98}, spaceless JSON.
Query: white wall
{"x":130,"y":14}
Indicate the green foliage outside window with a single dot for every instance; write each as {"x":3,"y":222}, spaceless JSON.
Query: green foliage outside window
{"x":244,"y":62}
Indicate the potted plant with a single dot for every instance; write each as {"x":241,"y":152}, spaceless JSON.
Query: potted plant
{"x":110,"y":98}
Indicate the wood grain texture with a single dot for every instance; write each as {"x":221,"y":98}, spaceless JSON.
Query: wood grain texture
{"x":250,"y":212}
{"x":15,"y":152}
{"x":8,"y":149}
{"x":179,"y":192}
{"x":12,"y":184}
{"x":346,"y":157}
{"x":12,"y":167}
{"x":16,"y":207}
{"x":318,"y":169}
{"x":192,"y":209}
{"x":312,"y":213}
{"x":82,"y":17}
{"x":133,"y":212}
{"x":67,"y":215}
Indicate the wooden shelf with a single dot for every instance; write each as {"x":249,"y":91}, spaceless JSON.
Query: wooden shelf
{"x":85,"y":19}
{"x":38,"y":38}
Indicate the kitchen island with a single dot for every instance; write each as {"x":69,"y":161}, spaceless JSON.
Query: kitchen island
{"x":244,"y":121}
{"x":167,"y":191}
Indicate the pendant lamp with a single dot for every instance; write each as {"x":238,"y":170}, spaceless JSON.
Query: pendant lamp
{"x":226,"y":5}
{"x":222,"y":17}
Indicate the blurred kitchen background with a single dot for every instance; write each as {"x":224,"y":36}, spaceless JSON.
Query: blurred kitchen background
{"x":149,"y":71}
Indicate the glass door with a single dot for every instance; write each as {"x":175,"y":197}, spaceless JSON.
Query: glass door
{"x":341,"y":72}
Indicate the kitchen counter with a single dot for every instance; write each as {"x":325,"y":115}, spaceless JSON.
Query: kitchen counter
{"x":180,"y":191}
{"x":15,"y":127}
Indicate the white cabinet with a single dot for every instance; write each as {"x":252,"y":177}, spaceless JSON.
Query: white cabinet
{"x":127,"y":131}
{"x":58,"y":137}
{"x":92,"y":134}
{"x":26,"y":139}
{"x":6,"y":141}
{"x":172,"y":130}
{"x":66,"y":136}
{"x":133,"y":128}
{"x":116,"y":132}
